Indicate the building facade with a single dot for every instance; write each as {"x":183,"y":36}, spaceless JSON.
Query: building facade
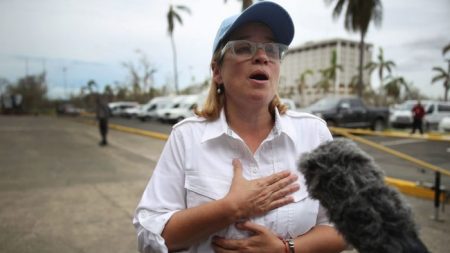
{"x":316,"y":56}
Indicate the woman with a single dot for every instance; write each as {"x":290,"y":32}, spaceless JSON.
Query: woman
{"x":227,"y":180}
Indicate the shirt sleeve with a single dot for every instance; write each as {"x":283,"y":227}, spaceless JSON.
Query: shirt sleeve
{"x":324,"y":133}
{"x":163,"y":196}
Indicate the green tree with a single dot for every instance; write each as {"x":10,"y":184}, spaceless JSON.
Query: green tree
{"x":172,"y":17}
{"x":33,"y":89}
{"x":358,"y":15}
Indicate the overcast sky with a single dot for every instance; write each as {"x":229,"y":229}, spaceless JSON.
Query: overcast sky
{"x":91,"y":38}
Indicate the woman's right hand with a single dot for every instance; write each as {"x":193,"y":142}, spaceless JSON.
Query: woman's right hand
{"x":255,"y":197}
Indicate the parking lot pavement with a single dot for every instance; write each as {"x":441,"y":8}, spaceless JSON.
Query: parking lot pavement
{"x":61,"y":192}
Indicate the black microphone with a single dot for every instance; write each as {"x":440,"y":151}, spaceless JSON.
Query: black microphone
{"x":370,"y":215}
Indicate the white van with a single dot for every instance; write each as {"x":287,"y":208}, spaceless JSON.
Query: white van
{"x":175,"y":103}
{"x":435,"y":112}
{"x":184,"y":109}
{"x":401,"y":115}
{"x":118,"y":108}
{"x":150,"y":110}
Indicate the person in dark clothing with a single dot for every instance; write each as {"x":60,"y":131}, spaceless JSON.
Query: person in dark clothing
{"x":418,"y":113}
{"x":102,"y":113}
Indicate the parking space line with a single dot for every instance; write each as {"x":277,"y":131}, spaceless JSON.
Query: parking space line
{"x":393,"y":152}
{"x":400,"y":142}
{"x":432,"y":136}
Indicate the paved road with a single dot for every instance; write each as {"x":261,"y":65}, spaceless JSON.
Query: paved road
{"x":61,"y":192}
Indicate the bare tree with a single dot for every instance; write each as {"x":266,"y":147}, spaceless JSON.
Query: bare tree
{"x":142,"y":76}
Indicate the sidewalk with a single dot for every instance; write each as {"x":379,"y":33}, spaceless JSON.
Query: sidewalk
{"x":61,"y":192}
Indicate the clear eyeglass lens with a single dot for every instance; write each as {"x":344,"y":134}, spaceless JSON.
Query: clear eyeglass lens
{"x":246,"y":49}
{"x":243,"y":48}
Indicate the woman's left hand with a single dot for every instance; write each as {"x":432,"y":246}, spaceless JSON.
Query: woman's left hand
{"x":262,"y":240}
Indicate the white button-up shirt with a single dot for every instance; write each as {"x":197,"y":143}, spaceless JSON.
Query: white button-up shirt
{"x":195,"y":168}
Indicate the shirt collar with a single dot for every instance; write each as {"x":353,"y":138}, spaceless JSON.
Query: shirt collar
{"x":219,"y":127}
{"x":216,"y":128}
{"x":284,"y":124}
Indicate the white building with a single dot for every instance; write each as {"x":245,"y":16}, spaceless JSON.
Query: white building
{"x":315,"y":56}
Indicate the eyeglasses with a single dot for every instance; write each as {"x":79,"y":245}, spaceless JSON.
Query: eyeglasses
{"x":245,"y":49}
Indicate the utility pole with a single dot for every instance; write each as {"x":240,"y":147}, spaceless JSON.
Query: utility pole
{"x":64,"y":69}
{"x":26,"y":67}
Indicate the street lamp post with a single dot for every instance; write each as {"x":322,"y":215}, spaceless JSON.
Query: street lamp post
{"x":64,"y":70}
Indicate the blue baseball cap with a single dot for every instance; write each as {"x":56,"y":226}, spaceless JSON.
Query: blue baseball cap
{"x":268,"y":13}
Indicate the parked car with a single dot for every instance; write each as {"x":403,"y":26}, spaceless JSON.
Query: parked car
{"x":444,"y":125}
{"x":118,"y":108}
{"x":149,"y":110}
{"x":349,"y":112}
{"x":184,"y":109}
{"x":68,"y":109}
{"x":401,"y":115}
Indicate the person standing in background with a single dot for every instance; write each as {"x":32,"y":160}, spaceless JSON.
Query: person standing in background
{"x":102,"y":114}
{"x":418,"y":113}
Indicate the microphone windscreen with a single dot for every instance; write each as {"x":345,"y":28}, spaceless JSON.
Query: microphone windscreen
{"x":371,"y":216}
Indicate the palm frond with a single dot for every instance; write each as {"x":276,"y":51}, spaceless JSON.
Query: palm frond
{"x":446,"y":49}
{"x":183,"y":8}
{"x":178,"y":17}
{"x":439,"y":69}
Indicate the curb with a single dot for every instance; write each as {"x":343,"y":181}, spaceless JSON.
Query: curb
{"x":412,"y":189}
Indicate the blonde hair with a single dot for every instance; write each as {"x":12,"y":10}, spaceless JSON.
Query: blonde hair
{"x":215,"y":102}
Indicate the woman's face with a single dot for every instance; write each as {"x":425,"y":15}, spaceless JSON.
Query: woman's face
{"x":253,"y":81}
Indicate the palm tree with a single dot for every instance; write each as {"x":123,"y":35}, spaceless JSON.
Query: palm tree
{"x":302,"y":83}
{"x":394,"y":85}
{"x":245,"y":3}
{"x":330,"y":73}
{"x":172,"y":16}
{"x":444,"y":76}
{"x":324,"y":82}
{"x":381,"y":65}
{"x":358,"y":15}
{"x":446,"y":49}
{"x":91,"y":85}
